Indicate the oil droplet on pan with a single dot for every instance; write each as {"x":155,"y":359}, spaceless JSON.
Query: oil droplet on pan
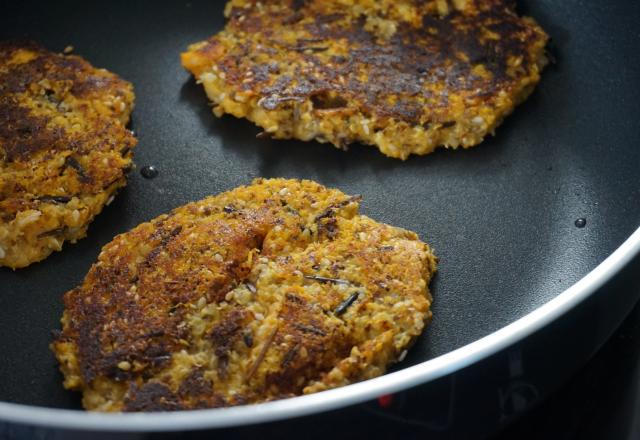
{"x":149,"y":172}
{"x":581,"y":223}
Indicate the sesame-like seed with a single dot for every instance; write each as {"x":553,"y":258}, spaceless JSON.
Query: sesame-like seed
{"x":31,"y":217}
{"x":124,"y":365}
{"x":239,"y":98}
{"x":478,"y":120}
{"x":219,"y":258}
{"x":207,"y":77}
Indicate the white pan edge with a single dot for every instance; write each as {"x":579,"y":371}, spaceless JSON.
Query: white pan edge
{"x":340,"y":397}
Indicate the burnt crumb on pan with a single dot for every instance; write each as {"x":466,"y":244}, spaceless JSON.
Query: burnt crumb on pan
{"x":209,"y":306}
{"x":405,"y":77}
{"x":64,"y":148}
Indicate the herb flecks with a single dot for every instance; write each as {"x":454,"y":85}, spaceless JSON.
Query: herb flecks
{"x":327,"y":279}
{"x":73,"y":163}
{"x":263,"y":352}
{"x":52,"y":232}
{"x":344,"y":305}
{"x":310,"y":48}
{"x":331,"y":209}
{"x":310,"y":329}
{"x":229,"y":209}
{"x":289,"y":356}
{"x":54,"y":199}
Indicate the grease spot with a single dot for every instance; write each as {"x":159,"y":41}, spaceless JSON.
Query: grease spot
{"x":149,"y":172}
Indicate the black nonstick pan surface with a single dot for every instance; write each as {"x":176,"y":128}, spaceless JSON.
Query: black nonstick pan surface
{"x":501,"y":216}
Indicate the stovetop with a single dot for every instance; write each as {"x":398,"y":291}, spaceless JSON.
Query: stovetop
{"x":601,"y":401}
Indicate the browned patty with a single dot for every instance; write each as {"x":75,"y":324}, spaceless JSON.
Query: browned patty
{"x":267,"y":291}
{"x":406,"y":76}
{"x":64,"y":148}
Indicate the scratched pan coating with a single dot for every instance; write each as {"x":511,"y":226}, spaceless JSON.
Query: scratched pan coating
{"x":500,"y":216}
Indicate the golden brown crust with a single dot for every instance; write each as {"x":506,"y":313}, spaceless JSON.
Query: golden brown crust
{"x":64,"y":148}
{"x":406,"y":76}
{"x":267,"y":291}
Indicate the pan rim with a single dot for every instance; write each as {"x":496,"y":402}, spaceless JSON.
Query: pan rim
{"x":340,"y":397}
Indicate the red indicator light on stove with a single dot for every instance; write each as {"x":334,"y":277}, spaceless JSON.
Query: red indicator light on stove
{"x":385,"y":401}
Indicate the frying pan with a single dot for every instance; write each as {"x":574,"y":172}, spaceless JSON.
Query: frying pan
{"x":516,"y":274}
